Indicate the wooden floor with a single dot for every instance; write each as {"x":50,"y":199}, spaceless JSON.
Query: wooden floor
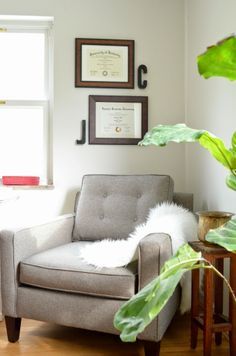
{"x":38,"y":338}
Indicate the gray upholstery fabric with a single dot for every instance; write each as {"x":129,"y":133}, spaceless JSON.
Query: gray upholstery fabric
{"x":77,"y":310}
{"x":61,"y":268}
{"x":154,"y":250}
{"x":93,"y":313}
{"x":184,"y":199}
{"x":108,"y":206}
{"x":111,"y":206}
{"x":19,"y":244}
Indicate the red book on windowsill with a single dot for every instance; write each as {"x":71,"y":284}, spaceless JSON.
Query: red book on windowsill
{"x":20,"y":180}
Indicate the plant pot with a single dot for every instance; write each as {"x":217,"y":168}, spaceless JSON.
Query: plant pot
{"x":211,"y":220}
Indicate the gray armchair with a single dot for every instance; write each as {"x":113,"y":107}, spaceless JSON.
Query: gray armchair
{"x":43,"y":277}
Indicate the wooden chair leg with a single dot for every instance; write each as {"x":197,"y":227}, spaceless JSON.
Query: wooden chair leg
{"x":13,"y":328}
{"x":152,"y":348}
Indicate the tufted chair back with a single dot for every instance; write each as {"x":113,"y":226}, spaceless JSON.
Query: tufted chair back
{"x":110,"y":206}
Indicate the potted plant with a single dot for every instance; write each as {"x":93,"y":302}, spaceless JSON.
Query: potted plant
{"x":132,"y":318}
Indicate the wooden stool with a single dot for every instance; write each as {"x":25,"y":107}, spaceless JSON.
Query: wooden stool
{"x":212,"y":320}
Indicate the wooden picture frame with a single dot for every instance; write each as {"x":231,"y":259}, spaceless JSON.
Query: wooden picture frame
{"x":117,"y":120}
{"x":104,"y":63}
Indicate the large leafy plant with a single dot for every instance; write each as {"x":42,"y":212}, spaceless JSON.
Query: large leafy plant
{"x":142,"y":308}
{"x":162,"y":134}
{"x":133,"y":316}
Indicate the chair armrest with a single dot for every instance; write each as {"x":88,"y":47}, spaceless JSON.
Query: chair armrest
{"x":16,"y":245}
{"x":154,"y":250}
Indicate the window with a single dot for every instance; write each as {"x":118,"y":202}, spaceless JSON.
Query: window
{"x":25,"y":97}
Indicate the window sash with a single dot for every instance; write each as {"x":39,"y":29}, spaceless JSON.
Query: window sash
{"x":47,"y":55}
{"x":26,"y":22}
{"x":37,"y":25}
{"x":44,"y":177}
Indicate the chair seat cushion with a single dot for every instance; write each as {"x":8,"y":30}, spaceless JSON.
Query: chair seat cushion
{"x":62,"y":269}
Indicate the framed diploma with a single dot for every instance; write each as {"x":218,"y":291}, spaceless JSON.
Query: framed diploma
{"x":117,"y":120}
{"x":104,"y":63}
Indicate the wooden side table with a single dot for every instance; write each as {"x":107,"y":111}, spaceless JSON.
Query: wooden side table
{"x":212,"y":320}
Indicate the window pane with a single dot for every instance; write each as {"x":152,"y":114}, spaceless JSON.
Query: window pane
{"x":22,"y":66}
{"x":21,"y":141}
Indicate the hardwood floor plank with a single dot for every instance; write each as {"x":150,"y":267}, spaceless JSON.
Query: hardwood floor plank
{"x":39,"y":338}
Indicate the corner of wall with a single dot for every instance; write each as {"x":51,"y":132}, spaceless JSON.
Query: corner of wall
{"x":186,"y":86}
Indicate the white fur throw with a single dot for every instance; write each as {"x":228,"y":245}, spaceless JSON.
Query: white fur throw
{"x":168,"y":218}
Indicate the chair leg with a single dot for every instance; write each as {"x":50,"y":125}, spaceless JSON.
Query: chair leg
{"x":152,"y":348}
{"x":13,"y":328}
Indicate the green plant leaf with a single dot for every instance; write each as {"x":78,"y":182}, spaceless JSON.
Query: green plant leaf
{"x":233,"y":141}
{"x":133,"y":316}
{"x":218,"y":150}
{"x":231,"y":181}
{"x":219,"y":60}
{"x":224,"y":236}
{"x":162,"y":134}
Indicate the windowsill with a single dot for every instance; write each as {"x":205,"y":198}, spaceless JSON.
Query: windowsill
{"x":33,"y":187}
{"x":29,"y":187}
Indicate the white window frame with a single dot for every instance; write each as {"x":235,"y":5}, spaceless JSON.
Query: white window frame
{"x":32,"y":24}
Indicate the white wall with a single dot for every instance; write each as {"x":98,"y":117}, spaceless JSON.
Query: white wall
{"x":157,"y":26}
{"x":210,"y":104}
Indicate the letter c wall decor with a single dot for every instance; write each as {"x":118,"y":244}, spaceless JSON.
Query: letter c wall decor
{"x":142,"y":69}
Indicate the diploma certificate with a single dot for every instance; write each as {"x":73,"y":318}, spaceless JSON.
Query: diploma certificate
{"x":105,"y":63}
{"x":118,"y":120}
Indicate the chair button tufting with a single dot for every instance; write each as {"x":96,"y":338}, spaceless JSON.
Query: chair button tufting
{"x":135,"y":218}
{"x":101,"y":217}
{"x":104,"y":195}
